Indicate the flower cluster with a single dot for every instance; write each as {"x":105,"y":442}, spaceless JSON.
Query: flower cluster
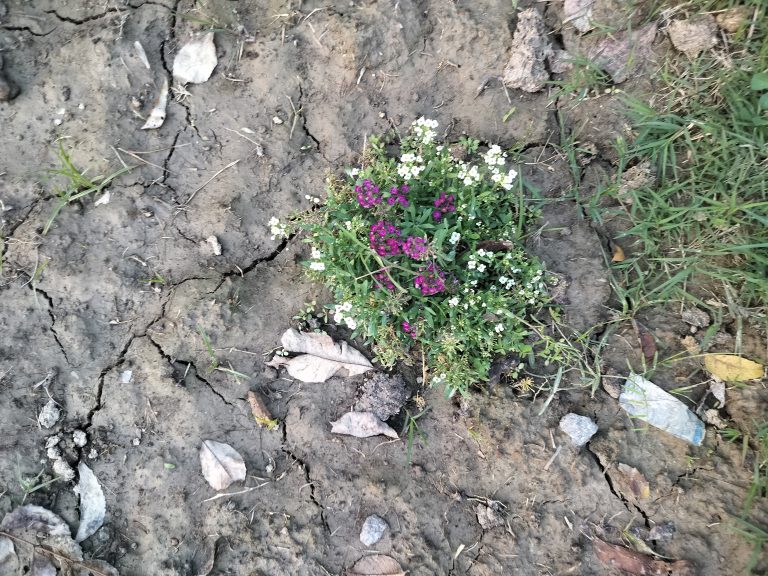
{"x":494,"y":158}
{"x":383,"y":281}
{"x":415,"y":247}
{"x":276,"y":228}
{"x":411,"y":165}
{"x":397,"y":196}
{"x":443,"y":205}
{"x":316,"y":264}
{"x":409,"y":329}
{"x":470,"y":175}
{"x":431,"y":280}
{"x":385,"y":239}
{"x":424,"y":131}
{"x":368,"y":194}
{"x":341,"y":314}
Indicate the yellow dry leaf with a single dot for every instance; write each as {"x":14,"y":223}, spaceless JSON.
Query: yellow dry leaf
{"x":731,"y":368}
{"x":618,"y":254}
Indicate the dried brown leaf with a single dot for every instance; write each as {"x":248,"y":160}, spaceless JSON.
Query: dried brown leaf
{"x":647,"y":344}
{"x":634,"y":481}
{"x":260,"y":411}
{"x":93,"y":505}
{"x":320,"y":358}
{"x":731,"y":368}
{"x":221,"y":464}
{"x":376,"y":565}
{"x":618,"y":253}
{"x":638,"y":564}
{"x":361,"y":425}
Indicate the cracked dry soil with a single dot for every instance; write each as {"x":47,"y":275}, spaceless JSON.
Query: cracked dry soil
{"x":350,"y":69}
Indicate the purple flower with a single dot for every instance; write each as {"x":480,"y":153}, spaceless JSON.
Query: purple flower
{"x":368,"y":194}
{"x":383,"y":281}
{"x":444,"y":205}
{"x":385,"y":239}
{"x":415,"y":247}
{"x":431,"y":281}
{"x":410,"y":330}
{"x":397,"y":196}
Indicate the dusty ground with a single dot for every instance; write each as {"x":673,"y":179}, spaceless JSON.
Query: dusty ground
{"x":90,"y":314}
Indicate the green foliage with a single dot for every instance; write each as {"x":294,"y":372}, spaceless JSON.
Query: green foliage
{"x":424,"y":255}
{"x":76,"y":184}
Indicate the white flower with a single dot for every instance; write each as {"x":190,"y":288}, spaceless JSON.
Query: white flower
{"x":453,"y":302}
{"x":348,"y":224}
{"x":455,"y":237}
{"x":499,"y":328}
{"x":508,"y":180}
{"x":353,"y":172}
{"x":316,"y":254}
{"x":472,"y":264}
{"x":423,"y":129}
{"x":481,"y":268}
{"x":350,"y":322}
{"x":347,"y":306}
{"x":273,"y":221}
{"x":338,"y":317}
{"x":277,"y":229}
{"x":319,"y":266}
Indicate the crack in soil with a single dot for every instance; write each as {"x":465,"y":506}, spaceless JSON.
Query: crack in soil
{"x":77,"y":21}
{"x":27,"y":29}
{"x":48,"y":299}
{"x":100,"y":382}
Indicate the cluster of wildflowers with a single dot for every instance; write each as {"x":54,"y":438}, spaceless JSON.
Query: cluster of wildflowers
{"x":411,"y":165}
{"x":397,"y":196}
{"x":415,"y":247}
{"x":423,"y":130}
{"x":368,"y":194}
{"x":443,"y":205}
{"x":277,"y":229}
{"x":385,"y":239}
{"x":408,"y":239}
{"x":341,"y":314}
{"x":431,"y":280}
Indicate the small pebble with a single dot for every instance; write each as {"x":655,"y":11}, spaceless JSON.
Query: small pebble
{"x":93,"y":454}
{"x":277,"y":120}
{"x":579,"y":428}
{"x":136,"y":441}
{"x":373,"y":529}
{"x":80,"y":438}
{"x":49,"y":415}
{"x":63,"y":470}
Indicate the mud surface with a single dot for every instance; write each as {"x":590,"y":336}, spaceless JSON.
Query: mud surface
{"x":131,"y":285}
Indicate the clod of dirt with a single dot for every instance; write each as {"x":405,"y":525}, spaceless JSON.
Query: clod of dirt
{"x":195,"y":61}
{"x":213,"y":245}
{"x":579,"y":428}
{"x":361,"y":425}
{"x":578,"y":13}
{"x":221,"y":464}
{"x":49,"y":415}
{"x":530,"y":49}
{"x":663,"y":532}
{"x":157,"y":114}
{"x":383,"y":395}
{"x":489,"y":515}
{"x":93,"y":506}
{"x":320,"y":358}
{"x":634,"y":178}
{"x":373,"y":530}
{"x":640,"y":564}
{"x":62,"y":469}
{"x":694,"y":35}
{"x":696,"y":317}
{"x":560,"y":61}
{"x":8,"y":90}
{"x":732,"y":19}
{"x":621,"y":54}
{"x":376,"y":565}
{"x":80,"y":438}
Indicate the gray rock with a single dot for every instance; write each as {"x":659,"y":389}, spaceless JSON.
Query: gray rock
{"x":373,"y":529}
{"x":530,"y":48}
{"x":49,"y":415}
{"x":579,"y":428}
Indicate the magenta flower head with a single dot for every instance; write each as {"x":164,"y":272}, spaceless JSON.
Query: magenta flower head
{"x":383,"y":281}
{"x":444,"y":205}
{"x":385,"y":239}
{"x":410,"y":330}
{"x":368,"y":194}
{"x":415,"y":247}
{"x":397,"y":196}
{"x":430,"y":281}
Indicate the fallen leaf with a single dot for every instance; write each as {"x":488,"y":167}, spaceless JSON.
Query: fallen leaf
{"x":639,"y":564}
{"x":157,"y":114}
{"x":361,"y":425}
{"x":321,"y":357}
{"x":578,"y":13}
{"x":260,"y":412}
{"x":96,"y":568}
{"x":221,"y":464}
{"x":731,"y":368}
{"x":93,"y":506}
{"x":376,"y":565}
{"x":647,"y":344}
{"x":196,"y":60}
{"x":634,"y":480}
{"x":618,"y":253}
{"x":210,"y":558}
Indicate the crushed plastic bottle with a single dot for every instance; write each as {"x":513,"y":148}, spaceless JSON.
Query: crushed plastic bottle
{"x":642,"y":399}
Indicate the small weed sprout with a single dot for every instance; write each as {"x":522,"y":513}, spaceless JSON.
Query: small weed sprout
{"x":214,"y":362}
{"x":77,"y":184}
{"x":31,"y":484}
{"x":424,"y":254}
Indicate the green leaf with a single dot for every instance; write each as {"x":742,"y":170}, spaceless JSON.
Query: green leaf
{"x":763,"y":102}
{"x":759,"y":82}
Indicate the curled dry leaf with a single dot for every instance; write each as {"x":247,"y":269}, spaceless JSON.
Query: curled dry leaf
{"x":221,"y":464}
{"x":361,"y":425}
{"x":647,"y":345}
{"x":157,"y":114}
{"x":376,"y":565}
{"x":730,"y":368}
{"x":633,"y":480}
{"x":195,"y":61}
{"x":640,"y":564}
{"x":320,"y":358}
{"x":260,"y":411}
{"x":618,"y":253}
{"x":93,"y":506}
